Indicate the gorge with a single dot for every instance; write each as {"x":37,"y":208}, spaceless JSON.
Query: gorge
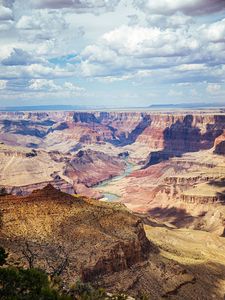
{"x":148,"y":182}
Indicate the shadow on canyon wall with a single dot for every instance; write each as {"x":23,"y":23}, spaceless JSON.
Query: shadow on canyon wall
{"x":145,"y":122}
{"x":176,"y":216}
{"x":182,"y":137}
{"x":219,"y":184}
{"x":123,"y":139}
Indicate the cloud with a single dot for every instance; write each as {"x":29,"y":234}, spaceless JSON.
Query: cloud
{"x":40,"y":20}
{"x":35,"y":71}
{"x":5,"y":13}
{"x":191,"y":67}
{"x":18,"y":57}
{"x":43,"y":84}
{"x":176,"y":20}
{"x":213,"y":88}
{"x":3,"y":84}
{"x":188,"y":52}
{"x":188,"y":7}
{"x":79,"y":6}
{"x":150,"y":42}
{"x":214,"y":32}
{"x":51,"y":86}
{"x":126,"y":49}
{"x":28,"y":23}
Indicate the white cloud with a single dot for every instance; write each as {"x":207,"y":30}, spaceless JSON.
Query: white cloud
{"x":18,"y":57}
{"x":5,"y":13}
{"x":51,"y":86}
{"x":3,"y":84}
{"x":43,"y":84}
{"x":213,"y":88}
{"x":192,"y":67}
{"x":68,"y":86}
{"x":128,"y":48}
{"x":149,"y":42}
{"x":214,"y":32}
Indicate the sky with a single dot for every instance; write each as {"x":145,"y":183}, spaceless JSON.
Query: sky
{"x":111,"y":52}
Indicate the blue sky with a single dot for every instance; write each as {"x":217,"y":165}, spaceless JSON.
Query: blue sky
{"x":111,"y":52}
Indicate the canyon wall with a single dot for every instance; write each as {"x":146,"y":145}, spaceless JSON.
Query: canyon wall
{"x":171,"y":132}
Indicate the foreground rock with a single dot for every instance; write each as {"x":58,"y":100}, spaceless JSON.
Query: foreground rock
{"x":81,"y":238}
{"x":97,"y":238}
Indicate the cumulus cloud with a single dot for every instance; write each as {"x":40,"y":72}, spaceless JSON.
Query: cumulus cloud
{"x":40,"y":20}
{"x":18,"y":57}
{"x":214,"y":32}
{"x":79,"y":6}
{"x":143,"y":41}
{"x":5,"y":13}
{"x":34,"y":71}
{"x":128,"y":48}
{"x":173,"y":21}
{"x":51,"y":86}
{"x":188,"y":7}
{"x":163,"y":41}
{"x":43,"y":84}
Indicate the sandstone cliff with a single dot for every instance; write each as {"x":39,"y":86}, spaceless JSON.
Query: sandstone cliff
{"x":99,"y":238}
{"x":98,"y":242}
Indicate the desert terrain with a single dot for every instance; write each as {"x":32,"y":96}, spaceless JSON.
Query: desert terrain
{"x":147,"y":188}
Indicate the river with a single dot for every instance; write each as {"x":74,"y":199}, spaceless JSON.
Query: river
{"x":109,"y":196}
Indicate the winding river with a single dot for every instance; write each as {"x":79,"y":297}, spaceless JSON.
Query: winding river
{"x":109,"y":196}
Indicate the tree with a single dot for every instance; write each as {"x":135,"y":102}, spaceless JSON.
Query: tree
{"x":3,"y":256}
{"x":30,"y":284}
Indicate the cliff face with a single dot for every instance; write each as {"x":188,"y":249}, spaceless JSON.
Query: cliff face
{"x":219,"y":144}
{"x":91,"y":167}
{"x":96,"y":238}
{"x":190,"y":133}
{"x":169,"y":132}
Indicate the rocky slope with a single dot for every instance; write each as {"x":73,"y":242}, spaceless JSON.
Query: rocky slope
{"x":90,"y":240}
{"x":91,"y":167}
{"x":187,"y":191}
{"x":23,"y":170}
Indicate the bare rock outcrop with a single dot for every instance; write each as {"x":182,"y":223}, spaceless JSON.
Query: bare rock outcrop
{"x":90,"y":167}
{"x":98,"y":238}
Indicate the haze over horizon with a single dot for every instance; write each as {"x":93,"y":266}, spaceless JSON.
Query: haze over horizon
{"x":111,"y":53}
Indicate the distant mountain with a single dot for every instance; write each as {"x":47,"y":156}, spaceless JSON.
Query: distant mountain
{"x":187,"y":105}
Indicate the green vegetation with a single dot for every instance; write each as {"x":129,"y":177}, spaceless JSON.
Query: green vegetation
{"x":31,"y":284}
{"x":3,"y":256}
{"x":35,"y":284}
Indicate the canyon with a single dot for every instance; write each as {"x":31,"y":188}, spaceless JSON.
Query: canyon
{"x":136,"y":188}
{"x":178,"y":173}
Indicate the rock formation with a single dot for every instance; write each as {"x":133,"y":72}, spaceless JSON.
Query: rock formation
{"x":94,"y":241}
{"x":91,"y":167}
{"x":81,"y":225}
{"x":181,"y":155}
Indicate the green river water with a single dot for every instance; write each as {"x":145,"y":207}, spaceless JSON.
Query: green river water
{"x":113,"y":197}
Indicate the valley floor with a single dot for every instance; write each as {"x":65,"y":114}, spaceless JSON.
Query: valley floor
{"x":201,"y":253}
